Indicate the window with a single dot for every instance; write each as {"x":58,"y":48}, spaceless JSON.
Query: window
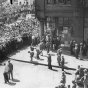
{"x":60,"y":21}
{"x":70,"y":22}
{"x":86,"y":22}
{"x":63,"y":2}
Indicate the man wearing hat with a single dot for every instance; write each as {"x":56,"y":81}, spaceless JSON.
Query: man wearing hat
{"x":59,"y":51}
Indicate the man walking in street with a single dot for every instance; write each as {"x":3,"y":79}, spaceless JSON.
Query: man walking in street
{"x":10,"y":65}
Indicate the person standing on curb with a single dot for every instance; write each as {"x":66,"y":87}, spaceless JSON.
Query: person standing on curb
{"x":10,"y":65}
{"x":49,"y":61}
{"x":59,"y":60}
{"x":62,"y":63}
{"x":48,"y":46}
{"x":6,"y":70}
{"x":59,"y":51}
{"x":38,"y":53}
{"x":31,"y":53}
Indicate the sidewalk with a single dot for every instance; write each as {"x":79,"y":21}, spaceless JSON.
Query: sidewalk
{"x":71,"y":62}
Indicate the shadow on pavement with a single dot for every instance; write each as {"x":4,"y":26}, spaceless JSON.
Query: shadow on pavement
{"x":66,"y":62}
{"x":65,"y":67}
{"x":43,"y":55}
{"x":40,"y":59}
{"x":54,"y":70}
{"x":67,"y":73}
{"x":11,"y":84}
{"x":16,"y":80}
{"x":14,"y":53}
{"x":35,"y":62}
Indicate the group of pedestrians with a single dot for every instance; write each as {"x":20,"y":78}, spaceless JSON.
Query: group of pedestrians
{"x":81,"y":77}
{"x":60,"y":58}
{"x":78,"y":50}
{"x":8,"y":72}
{"x":80,"y":81}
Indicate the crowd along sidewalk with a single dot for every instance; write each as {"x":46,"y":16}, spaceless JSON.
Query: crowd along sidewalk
{"x":71,"y":62}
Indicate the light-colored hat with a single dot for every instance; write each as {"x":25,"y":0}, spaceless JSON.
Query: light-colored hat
{"x":81,"y":43}
{"x":76,"y":44}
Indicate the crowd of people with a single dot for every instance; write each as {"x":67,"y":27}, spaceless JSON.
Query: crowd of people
{"x":17,"y":36}
{"x":78,"y":50}
{"x":81,"y":74}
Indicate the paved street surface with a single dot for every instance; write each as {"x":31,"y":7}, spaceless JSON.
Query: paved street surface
{"x":36,"y":74}
{"x":71,"y":62}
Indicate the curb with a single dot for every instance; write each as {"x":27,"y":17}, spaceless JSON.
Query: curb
{"x":36,"y":63}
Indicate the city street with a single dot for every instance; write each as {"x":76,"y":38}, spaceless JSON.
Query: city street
{"x":36,"y":74}
{"x":50,"y":24}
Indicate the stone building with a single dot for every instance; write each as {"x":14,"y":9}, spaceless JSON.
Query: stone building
{"x":65,"y":18}
{"x":29,"y":2}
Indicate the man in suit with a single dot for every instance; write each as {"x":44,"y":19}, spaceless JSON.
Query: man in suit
{"x":10,"y":65}
{"x":49,"y":61}
{"x":6,"y":70}
{"x":76,"y":51}
{"x":62,"y":63}
{"x":48,"y":46}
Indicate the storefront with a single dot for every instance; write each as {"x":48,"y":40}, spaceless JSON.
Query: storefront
{"x":65,"y":18}
{"x":61,"y":26}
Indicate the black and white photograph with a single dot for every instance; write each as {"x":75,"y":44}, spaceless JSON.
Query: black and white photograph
{"x":43,"y":43}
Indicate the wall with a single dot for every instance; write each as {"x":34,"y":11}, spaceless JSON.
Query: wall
{"x":40,"y":8}
{"x":29,"y":1}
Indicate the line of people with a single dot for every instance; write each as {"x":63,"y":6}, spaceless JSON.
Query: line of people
{"x":78,"y":50}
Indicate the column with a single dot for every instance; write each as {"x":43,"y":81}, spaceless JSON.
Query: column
{"x":41,"y":28}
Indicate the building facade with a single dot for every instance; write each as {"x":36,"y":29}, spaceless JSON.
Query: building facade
{"x":65,"y":18}
{"x":21,"y":2}
{"x":29,"y":2}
